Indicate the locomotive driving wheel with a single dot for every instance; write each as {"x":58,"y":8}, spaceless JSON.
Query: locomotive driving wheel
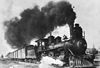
{"x":51,"y":54}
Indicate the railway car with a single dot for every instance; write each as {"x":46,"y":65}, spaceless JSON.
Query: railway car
{"x":23,"y":54}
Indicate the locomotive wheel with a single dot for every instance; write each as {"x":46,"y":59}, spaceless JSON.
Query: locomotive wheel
{"x":51,"y":54}
{"x":43,"y":54}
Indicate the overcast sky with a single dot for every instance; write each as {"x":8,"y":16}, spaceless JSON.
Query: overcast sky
{"x":88,"y":16}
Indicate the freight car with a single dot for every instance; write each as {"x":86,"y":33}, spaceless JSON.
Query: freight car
{"x":26,"y":53}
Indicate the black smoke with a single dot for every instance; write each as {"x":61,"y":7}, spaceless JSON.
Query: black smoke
{"x":36,"y":23}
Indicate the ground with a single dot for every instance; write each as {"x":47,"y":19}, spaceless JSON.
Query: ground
{"x":12,"y":64}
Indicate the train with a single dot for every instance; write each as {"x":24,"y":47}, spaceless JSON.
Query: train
{"x":66,"y":49}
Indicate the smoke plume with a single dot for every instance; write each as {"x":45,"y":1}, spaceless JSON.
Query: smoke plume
{"x":36,"y":23}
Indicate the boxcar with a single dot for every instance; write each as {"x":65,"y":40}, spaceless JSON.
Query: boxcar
{"x":23,"y":54}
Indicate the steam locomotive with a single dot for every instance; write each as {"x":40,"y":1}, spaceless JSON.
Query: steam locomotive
{"x":66,"y":49}
{"x":76,"y":45}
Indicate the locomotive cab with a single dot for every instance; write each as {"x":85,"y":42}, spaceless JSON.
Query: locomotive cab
{"x":42,"y":44}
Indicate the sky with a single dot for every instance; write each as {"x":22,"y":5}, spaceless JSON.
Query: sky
{"x":87,"y":16}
